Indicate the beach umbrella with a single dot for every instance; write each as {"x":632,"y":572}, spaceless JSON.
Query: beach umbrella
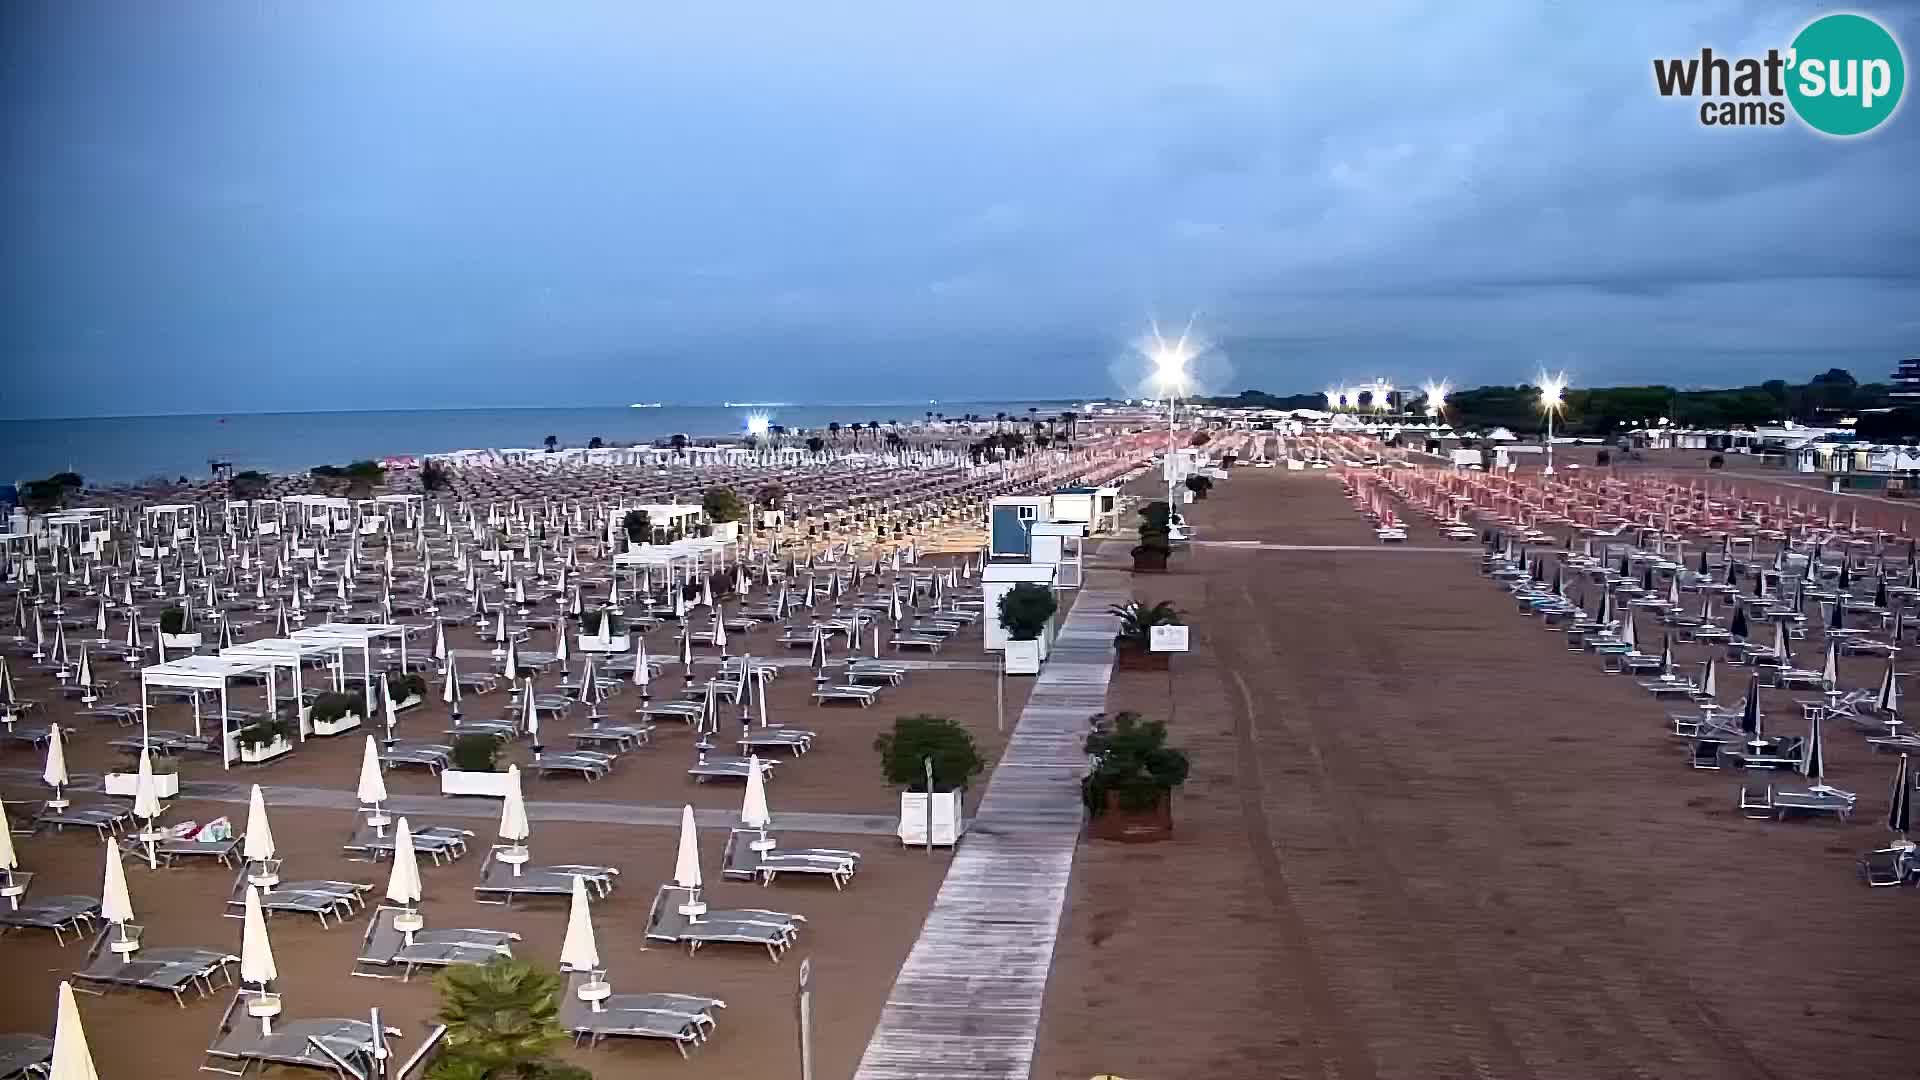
{"x":388,"y":708}
{"x":1813,"y":759}
{"x":686,"y":865}
{"x":578,"y":950}
{"x":256,"y":951}
{"x":510,"y":666}
{"x":1750,"y":714}
{"x":450,"y":690}
{"x":754,"y":813}
{"x":560,"y":643}
{"x":373,"y":786}
{"x":403,"y":881}
{"x":116,"y":904}
{"x":641,"y":667}
{"x":1888,"y":700}
{"x":720,"y":630}
{"x":1710,"y":686}
{"x":530,"y":718}
{"x":87,"y":696}
{"x":9,"y":859}
{"x":686,"y":652}
{"x":1900,"y":804}
{"x":513,"y":822}
{"x":55,"y":773}
{"x":1628,"y":635}
{"x":257,"y":846}
{"x":440,"y":641}
{"x":1666,"y":657}
{"x":1830,"y":674}
{"x":1780,"y":645}
{"x":706,"y":591}
{"x":1836,"y":619}
{"x":71,"y":1059}
{"x":817,"y":655}
{"x":1738,"y":628}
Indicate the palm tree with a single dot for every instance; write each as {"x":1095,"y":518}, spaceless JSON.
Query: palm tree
{"x":998,"y":419}
{"x":815,"y":444}
{"x":502,"y":1019}
{"x":553,"y":443}
{"x":679,"y":444}
{"x":595,"y":443}
{"x":833,"y":431}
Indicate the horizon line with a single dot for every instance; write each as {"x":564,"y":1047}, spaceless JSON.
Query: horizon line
{"x":546,"y":408}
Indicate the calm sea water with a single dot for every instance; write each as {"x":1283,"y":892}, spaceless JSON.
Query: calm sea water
{"x":108,"y":450}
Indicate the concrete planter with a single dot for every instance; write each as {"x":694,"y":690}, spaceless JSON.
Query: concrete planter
{"x":1149,"y":561}
{"x":949,"y":823}
{"x":180,"y":641}
{"x":336,"y":727}
{"x":409,"y":702}
{"x":165,"y":785}
{"x":1133,"y":826}
{"x":462,"y":782}
{"x":1023,"y":657}
{"x":254,"y":755}
{"x":1130,"y":655}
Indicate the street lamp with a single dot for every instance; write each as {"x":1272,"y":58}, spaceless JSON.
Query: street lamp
{"x":1170,"y":359}
{"x":1552,"y":388}
{"x":1436,"y":397}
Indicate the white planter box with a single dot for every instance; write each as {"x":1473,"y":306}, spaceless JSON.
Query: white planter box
{"x":1023,"y":657}
{"x":727,"y":530}
{"x":253,"y":755}
{"x":460,"y":782}
{"x":336,"y":727}
{"x":165,"y":785}
{"x":948,"y":824}
{"x":772,"y":519}
{"x":406,"y":703}
{"x":618,"y":643}
{"x":180,"y":641}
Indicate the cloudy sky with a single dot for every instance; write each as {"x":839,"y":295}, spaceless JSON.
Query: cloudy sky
{"x":232,"y":206}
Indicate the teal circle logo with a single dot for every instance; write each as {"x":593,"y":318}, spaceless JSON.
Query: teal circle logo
{"x":1845,"y":75}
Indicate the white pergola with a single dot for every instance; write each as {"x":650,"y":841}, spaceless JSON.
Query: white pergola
{"x":200,"y":673}
{"x":291,"y":654}
{"x":360,"y":636}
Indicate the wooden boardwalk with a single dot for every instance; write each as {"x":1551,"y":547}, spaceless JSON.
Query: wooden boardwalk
{"x":967,"y":1001}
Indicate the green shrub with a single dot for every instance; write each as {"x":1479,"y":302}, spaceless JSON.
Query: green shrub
{"x":721,"y":505}
{"x":638,"y":527}
{"x":476,"y":753}
{"x":915,"y":738}
{"x":503,"y":1020}
{"x":590,"y":622}
{"x":1137,"y":620}
{"x":263,"y":732}
{"x":173,"y":621}
{"x":1199,"y":485}
{"x":330,"y":707}
{"x":1025,"y":609}
{"x":1134,"y":761}
{"x":401,"y":687}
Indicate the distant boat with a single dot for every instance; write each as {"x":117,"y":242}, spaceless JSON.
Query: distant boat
{"x":644,"y":405}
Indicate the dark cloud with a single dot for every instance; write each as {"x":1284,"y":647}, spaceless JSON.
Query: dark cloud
{"x":227,"y":207}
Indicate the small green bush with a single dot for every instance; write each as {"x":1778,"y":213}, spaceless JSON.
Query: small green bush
{"x":1133,"y":760}
{"x":173,"y":621}
{"x":1025,"y":609}
{"x":476,"y":753}
{"x":330,"y":707}
{"x":913,"y":739}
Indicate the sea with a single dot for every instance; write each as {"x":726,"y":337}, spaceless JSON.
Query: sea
{"x":134,"y":449}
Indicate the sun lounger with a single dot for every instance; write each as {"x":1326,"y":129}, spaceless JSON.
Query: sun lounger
{"x":500,"y":885}
{"x":61,"y":914}
{"x":929,"y":642}
{"x":876,"y":673}
{"x":168,"y":743}
{"x":319,"y":898}
{"x":385,"y":954}
{"x":1706,"y":754}
{"x":682,"y":1019}
{"x":33,"y":735}
{"x":726,"y":767}
{"x":620,"y":737}
{"x":863,"y":696}
{"x":586,"y":763}
{"x":774,"y":931}
{"x":174,"y":970}
{"x":441,"y":843}
{"x":336,"y":1045}
{"x":105,"y":818}
{"x":740,"y":861}
{"x":173,"y":849}
{"x":776,"y":738}
{"x":23,"y":1054}
{"x":432,"y":757}
{"x":1886,"y":867}
{"x":499,"y":729}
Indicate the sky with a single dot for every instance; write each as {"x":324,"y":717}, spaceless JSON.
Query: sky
{"x":245,"y":206}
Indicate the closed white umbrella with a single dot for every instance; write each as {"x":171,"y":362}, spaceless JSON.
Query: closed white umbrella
{"x":686,"y":865}
{"x":531,"y":717}
{"x":641,"y":669}
{"x":753,"y":808}
{"x":256,"y":961}
{"x":579,"y":951}
{"x":146,"y":805}
{"x":257,"y":846}
{"x":55,"y":774}
{"x":390,"y":711}
{"x":9,"y":862}
{"x":450,"y":690}
{"x":71,"y":1058}
{"x":403,"y":882}
{"x":116,"y":904}
{"x":373,"y":786}
{"x":513,"y":823}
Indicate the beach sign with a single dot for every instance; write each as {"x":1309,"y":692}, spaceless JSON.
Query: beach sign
{"x":1167,"y":639}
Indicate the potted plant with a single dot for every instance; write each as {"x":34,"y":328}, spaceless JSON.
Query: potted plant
{"x":1156,"y":538}
{"x":771,"y":500}
{"x":904,"y":754}
{"x":602,"y":631}
{"x":1128,"y":795}
{"x":125,"y":782}
{"x":1199,"y":485}
{"x":173,"y":630}
{"x":1026,"y":610}
{"x":503,"y":1022}
{"x":334,"y":713}
{"x":406,"y":690}
{"x":637,"y":526}
{"x":723,"y":509}
{"x":1132,"y":645}
{"x":263,"y":740}
{"x":475,"y":769}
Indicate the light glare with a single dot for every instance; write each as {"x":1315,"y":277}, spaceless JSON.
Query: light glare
{"x":758,"y":424}
{"x":1552,"y":388}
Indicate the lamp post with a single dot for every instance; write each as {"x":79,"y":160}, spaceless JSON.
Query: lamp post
{"x":1170,"y":375}
{"x":1552,"y":387}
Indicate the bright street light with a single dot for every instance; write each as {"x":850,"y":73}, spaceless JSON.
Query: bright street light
{"x":1553,"y":389}
{"x":1437,"y":396}
{"x":758,"y":424}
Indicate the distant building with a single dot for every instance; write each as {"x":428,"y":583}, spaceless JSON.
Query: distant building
{"x":1906,"y":381}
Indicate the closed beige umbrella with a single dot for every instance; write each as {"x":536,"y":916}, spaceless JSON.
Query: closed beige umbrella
{"x":71,"y":1058}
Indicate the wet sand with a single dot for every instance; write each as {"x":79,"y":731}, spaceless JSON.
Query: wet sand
{"x":1422,"y":840}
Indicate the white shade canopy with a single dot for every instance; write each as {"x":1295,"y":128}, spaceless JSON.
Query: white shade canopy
{"x":55,"y":773}
{"x":256,"y":952}
{"x":116,"y":905}
{"x":403,"y":883}
{"x":686,"y":864}
{"x":259,"y":839}
{"x":71,"y":1058}
{"x":146,"y":797}
{"x":513,"y":811}
{"x":753,"y":808}
{"x":373,"y":783}
{"x":578,"y":951}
